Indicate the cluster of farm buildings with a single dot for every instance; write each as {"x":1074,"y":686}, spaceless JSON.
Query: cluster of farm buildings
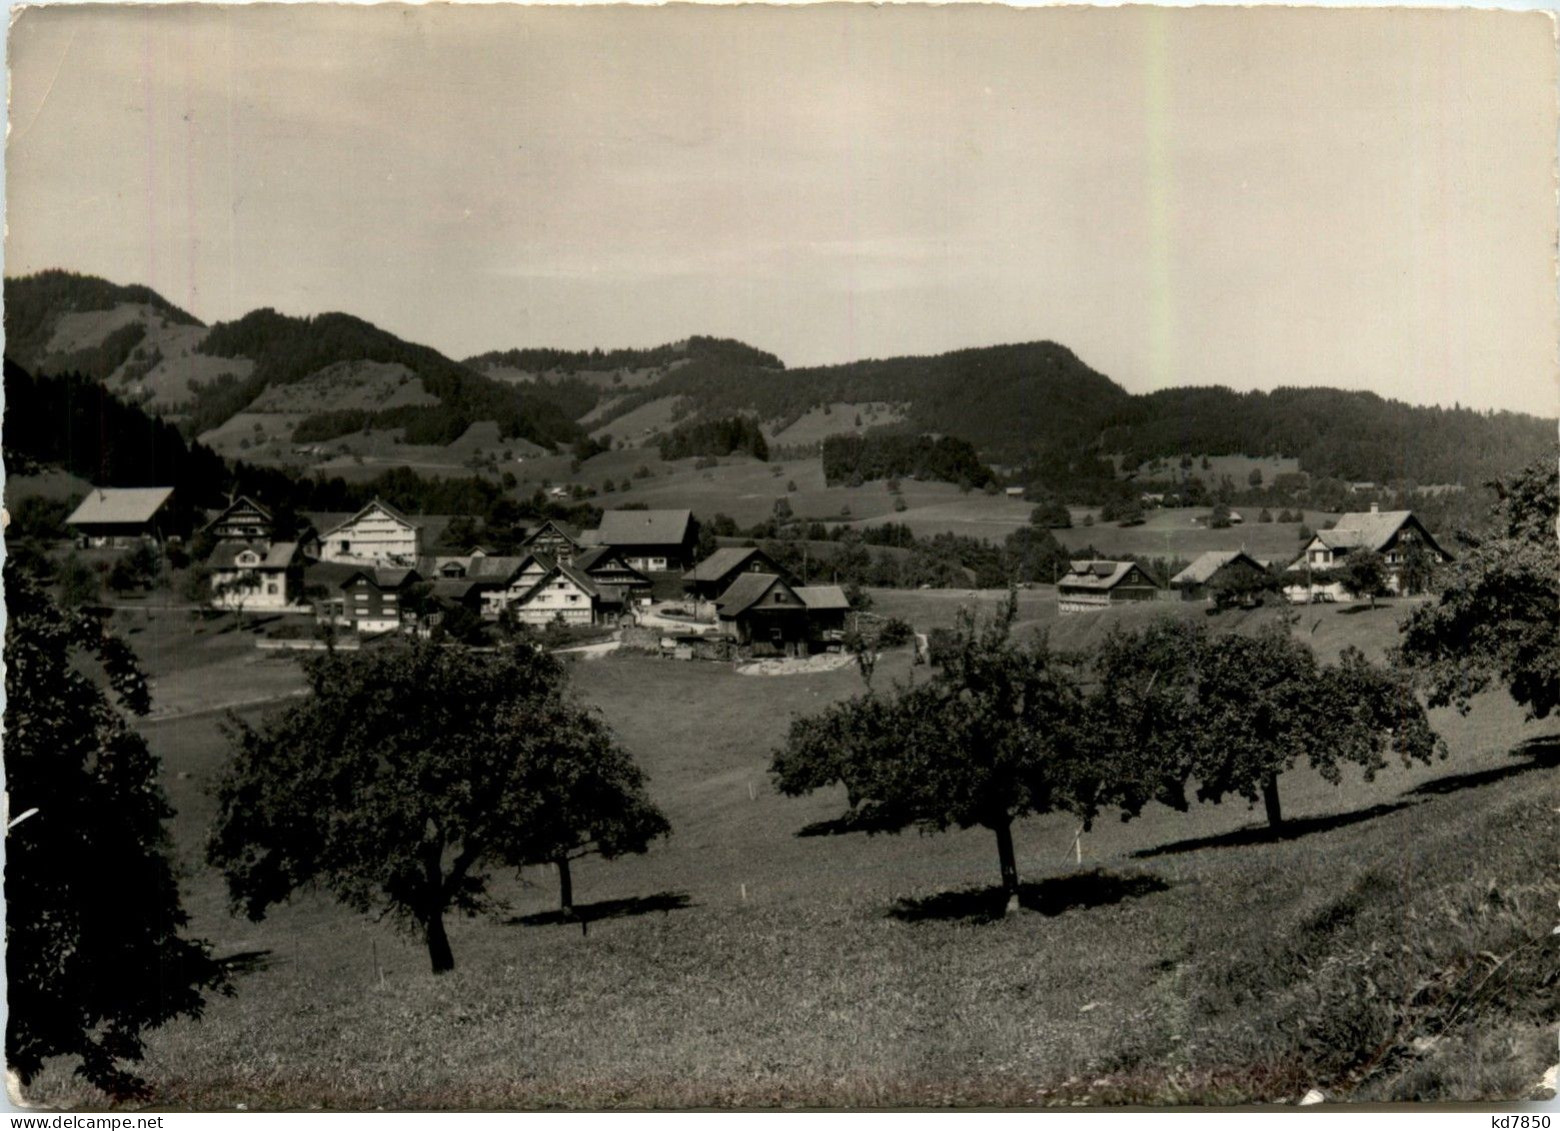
{"x":358,"y":570}
{"x":1312,"y":576}
{"x":364,"y":571}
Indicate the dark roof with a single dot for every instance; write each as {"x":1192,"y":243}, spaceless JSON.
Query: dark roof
{"x":241,"y":501}
{"x":383,"y":577}
{"x":561,"y":527}
{"x":1210,"y":563}
{"x":645,"y":528}
{"x":745,"y":592}
{"x":120,"y":505}
{"x":276,"y":555}
{"x":823,"y":598}
{"x":454,"y":588}
{"x":1099,"y":575}
{"x":722,"y":562}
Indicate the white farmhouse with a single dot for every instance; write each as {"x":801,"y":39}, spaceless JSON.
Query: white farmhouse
{"x":377,"y":535}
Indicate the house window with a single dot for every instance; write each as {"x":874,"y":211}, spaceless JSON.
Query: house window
{"x":779,"y":598}
{"x":574,"y":596}
{"x":345,"y":546}
{"x":271,"y":588}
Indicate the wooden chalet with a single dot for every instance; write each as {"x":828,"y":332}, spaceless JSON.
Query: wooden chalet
{"x":1089,"y":586}
{"x":244,"y":520}
{"x":1395,"y":535}
{"x":558,"y":540}
{"x":606,"y":566}
{"x":651,"y":541}
{"x":123,"y":516}
{"x":1212,"y":569}
{"x":715,"y":574}
{"x":763,"y":608}
{"x":373,"y":598}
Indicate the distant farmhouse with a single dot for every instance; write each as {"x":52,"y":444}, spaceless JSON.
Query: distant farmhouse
{"x":1212,"y":569}
{"x":651,"y":541}
{"x":256,"y":575}
{"x":556,"y":539}
{"x":243,"y":519}
{"x":1395,"y":535}
{"x":716,"y":573}
{"x":376,"y":535}
{"x":373,"y":598}
{"x":1089,"y":586}
{"x":761,"y":608}
{"x":123,"y":516}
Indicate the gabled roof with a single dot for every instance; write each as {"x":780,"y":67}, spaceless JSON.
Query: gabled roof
{"x":554,"y":568}
{"x":823,"y":598}
{"x":454,"y":588}
{"x":722,"y":562}
{"x":600,"y":556}
{"x":1099,"y":575}
{"x":569,"y":532}
{"x":383,"y":577}
{"x":645,"y":528}
{"x":120,"y":505}
{"x":276,"y":555}
{"x":1364,"y":530}
{"x":241,"y":501}
{"x":746,"y":592}
{"x":1206,"y":565}
{"x":377,"y":504}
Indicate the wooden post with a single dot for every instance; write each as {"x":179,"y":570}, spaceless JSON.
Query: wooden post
{"x":744,"y":893}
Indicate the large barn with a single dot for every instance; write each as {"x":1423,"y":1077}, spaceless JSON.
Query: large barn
{"x":123,"y":516}
{"x":1089,"y":586}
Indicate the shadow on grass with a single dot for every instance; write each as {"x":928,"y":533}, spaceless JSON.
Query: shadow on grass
{"x":851,"y":823}
{"x":663,"y":901}
{"x":247,"y":962}
{"x":1048,"y":897}
{"x":1266,"y":834}
{"x":1541,"y":754}
{"x":1356,"y":610}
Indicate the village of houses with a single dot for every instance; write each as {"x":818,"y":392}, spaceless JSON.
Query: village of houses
{"x":374,"y":573}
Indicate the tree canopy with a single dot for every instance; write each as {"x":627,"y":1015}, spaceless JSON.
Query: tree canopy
{"x":1495,"y":620}
{"x":407,"y":772}
{"x":94,"y":954}
{"x":992,"y":737}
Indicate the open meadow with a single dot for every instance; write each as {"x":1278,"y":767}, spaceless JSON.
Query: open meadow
{"x":760,"y":957}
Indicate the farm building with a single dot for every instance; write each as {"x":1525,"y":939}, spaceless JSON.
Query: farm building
{"x":376,"y":535}
{"x":651,"y":541}
{"x":123,"y":516}
{"x":1397,"y":536}
{"x":608,"y":568}
{"x":556,"y":591}
{"x":714,"y":575}
{"x":1088,"y":586}
{"x":255,"y":575}
{"x":242,"y":519}
{"x":558,"y":540}
{"x":372,"y":598}
{"x":1196,"y":581}
{"x":762,"y":608}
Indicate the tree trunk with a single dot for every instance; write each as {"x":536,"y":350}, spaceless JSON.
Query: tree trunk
{"x":565,"y":886}
{"x":439,"y":953}
{"x":1004,"y":833}
{"x":1275,"y":813}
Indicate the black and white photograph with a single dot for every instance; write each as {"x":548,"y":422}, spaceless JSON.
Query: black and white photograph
{"x":840,"y":557}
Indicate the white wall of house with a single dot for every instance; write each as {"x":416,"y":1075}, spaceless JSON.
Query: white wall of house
{"x":246,"y":586}
{"x":558,"y":598}
{"x":375,"y":538}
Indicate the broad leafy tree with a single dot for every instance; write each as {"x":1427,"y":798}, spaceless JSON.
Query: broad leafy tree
{"x":94,"y":953}
{"x":584,"y":795}
{"x":406,"y":773}
{"x":990,"y":739}
{"x":1364,"y":574}
{"x":1495,"y":620}
{"x":1174,"y":707}
{"x":1244,"y":587}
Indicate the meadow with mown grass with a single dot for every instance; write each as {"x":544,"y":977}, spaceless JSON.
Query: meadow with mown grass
{"x":1391,"y":942}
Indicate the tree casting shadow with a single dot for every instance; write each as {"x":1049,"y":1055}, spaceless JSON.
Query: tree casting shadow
{"x":247,"y":962}
{"x":1541,"y":753}
{"x":1048,"y":897}
{"x":663,"y":901}
{"x":851,"y":823}
{"x":1266,"y":834}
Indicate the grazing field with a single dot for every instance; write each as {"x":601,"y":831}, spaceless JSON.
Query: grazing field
{"x":1172,"y":532}
{"x":817,"y":424}
{"x":759,"y":958}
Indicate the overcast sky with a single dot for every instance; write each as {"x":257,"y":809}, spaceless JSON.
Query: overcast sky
{"x":1252,"y":197}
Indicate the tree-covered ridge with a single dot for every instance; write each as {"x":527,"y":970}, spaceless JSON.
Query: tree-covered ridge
{"x":288,"y":349}
{"x":726,"y":351}
{"x":34,"y":303}
{"x":1333,"y":432}
{"x":721,"y":437}
{"x":855,"y":459}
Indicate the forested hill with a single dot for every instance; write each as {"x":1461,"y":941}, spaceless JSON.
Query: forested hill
{"x":150,"y":352}
{"x":1334,"y":433}
{"x":724,"y":351}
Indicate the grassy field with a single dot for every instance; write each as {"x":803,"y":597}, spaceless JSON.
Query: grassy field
{"x":753,"y":959}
